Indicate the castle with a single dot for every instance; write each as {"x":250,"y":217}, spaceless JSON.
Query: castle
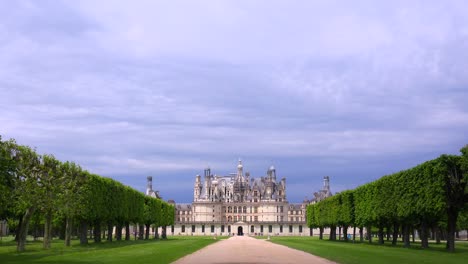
{"x":239,"y":204}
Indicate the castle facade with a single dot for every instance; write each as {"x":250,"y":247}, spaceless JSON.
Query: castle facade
{"x":238,"y":204}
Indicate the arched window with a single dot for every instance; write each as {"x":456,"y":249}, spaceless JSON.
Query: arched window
{"x":229,"y":209}
{"x":229,"y":218}
{"x":235,"y":209}
{"x":244,"y":210}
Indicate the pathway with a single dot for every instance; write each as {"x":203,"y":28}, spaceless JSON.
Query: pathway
{"x":247,"y":250}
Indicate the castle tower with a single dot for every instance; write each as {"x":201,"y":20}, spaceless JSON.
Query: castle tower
{"x":326,"y":185}
{"x":207,"y":183}
{"x":197,"y":188}
{"x":240,"y":172}
{"x":149,"y":185}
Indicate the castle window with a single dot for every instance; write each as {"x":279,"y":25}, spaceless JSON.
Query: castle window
{"x":172,"y":229}
{"x":270,"y":228}
{"x":212,"y":228}
{"x":252,"y":229}
{"x":229,"y":218}
{"x":281,"y":228}
{"x":229,"y":229}
{"x":261,"y":229}
{"x":222,"y":228}
{"x":255,"y":193}
{"x":193,"y":228}
{"x":244,"y":210}
{"x":203,"y":228}
{"x":281,"y":209}
{"x":290,"y":228}
{"x":255,"y":209}
{"x":244,"y":218}
{"x":229,"y":209}
{"x":255,"y":218}
{"x":235,"y":209}
{"x":300,"y":229}
{"x":183,"y":229}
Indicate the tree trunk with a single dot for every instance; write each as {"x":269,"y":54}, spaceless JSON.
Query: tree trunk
{"x":17,"y":233}
{"x":406,"y":235}
{"x":147,"y":232}
{"x":413,"y":234}
{"x":395,"y":233}
{"x":451,"y":228}
{"x":381,"y":235}
{"x":23,"y":229}
{"x":424,"y":235}
{"x":110,"y":228}
{"x":388,"y":232}
{"x":321,"y":233}
{"x":339,"y":233}
{"x":311,"y":231}
{"x":332,"y":233}
{"x":118,"y":231}
{"x":127,"y":231}
{"x":97,"y":232}
{"x":163,"y":232}
{"x":361,"y":237}
{"x":68,"y":231}
{"x":140,"y":232}
{"x":156,"y":233}
{"x":437,"y":235}
{"x":345,"y":233}
{"x":354,"y":234}
{"x":369,"y":234}
{"x":47,"y":230}
{"x":83,"y":232}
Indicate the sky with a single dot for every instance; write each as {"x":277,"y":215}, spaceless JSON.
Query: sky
{"x":354,"y":90}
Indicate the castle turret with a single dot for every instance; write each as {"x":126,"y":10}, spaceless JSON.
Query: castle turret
{"x":149,"y":185}
{"x":197,"y":188}
{"x":207,"y":183}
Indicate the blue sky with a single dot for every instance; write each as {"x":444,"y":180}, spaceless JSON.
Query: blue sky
{"x":354,"y":90}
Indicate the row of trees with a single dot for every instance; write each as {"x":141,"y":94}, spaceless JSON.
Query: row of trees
{"x":431,"y":196}
{"x":33,"y":185}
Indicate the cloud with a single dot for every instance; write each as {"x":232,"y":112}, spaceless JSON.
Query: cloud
{"x":316,"y":88}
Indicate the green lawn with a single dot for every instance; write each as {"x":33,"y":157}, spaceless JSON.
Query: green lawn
{"x":132,"y":252}
{"x":347,"y":252}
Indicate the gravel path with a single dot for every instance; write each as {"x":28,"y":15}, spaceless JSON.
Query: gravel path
{"x":247,"y":250}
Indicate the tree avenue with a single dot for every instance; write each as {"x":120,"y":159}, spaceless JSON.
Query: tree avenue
{"x":64,"y":198}
{"x":431,"y":198}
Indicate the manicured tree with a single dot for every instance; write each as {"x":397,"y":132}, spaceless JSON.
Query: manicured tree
{"x":27,"y":190}
{"x":454,"y":170}
{"x":319,"y":214}
{"x":150,"y":214}
{"x":363,"y":208}
{"x":168,"y":218}
{"x":84,"y":213}
{"x":50,"y":185}
{"x":122,"y":215}
{"x":462,"y":221}
{"x":136,"y":210}
{"x":346,"y":212}
{"x":159,"y":218}
{"x":73,"y":180}
{"x":384,"y":204}
{"x":311,"y":218}
{"x":7,"y":176}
